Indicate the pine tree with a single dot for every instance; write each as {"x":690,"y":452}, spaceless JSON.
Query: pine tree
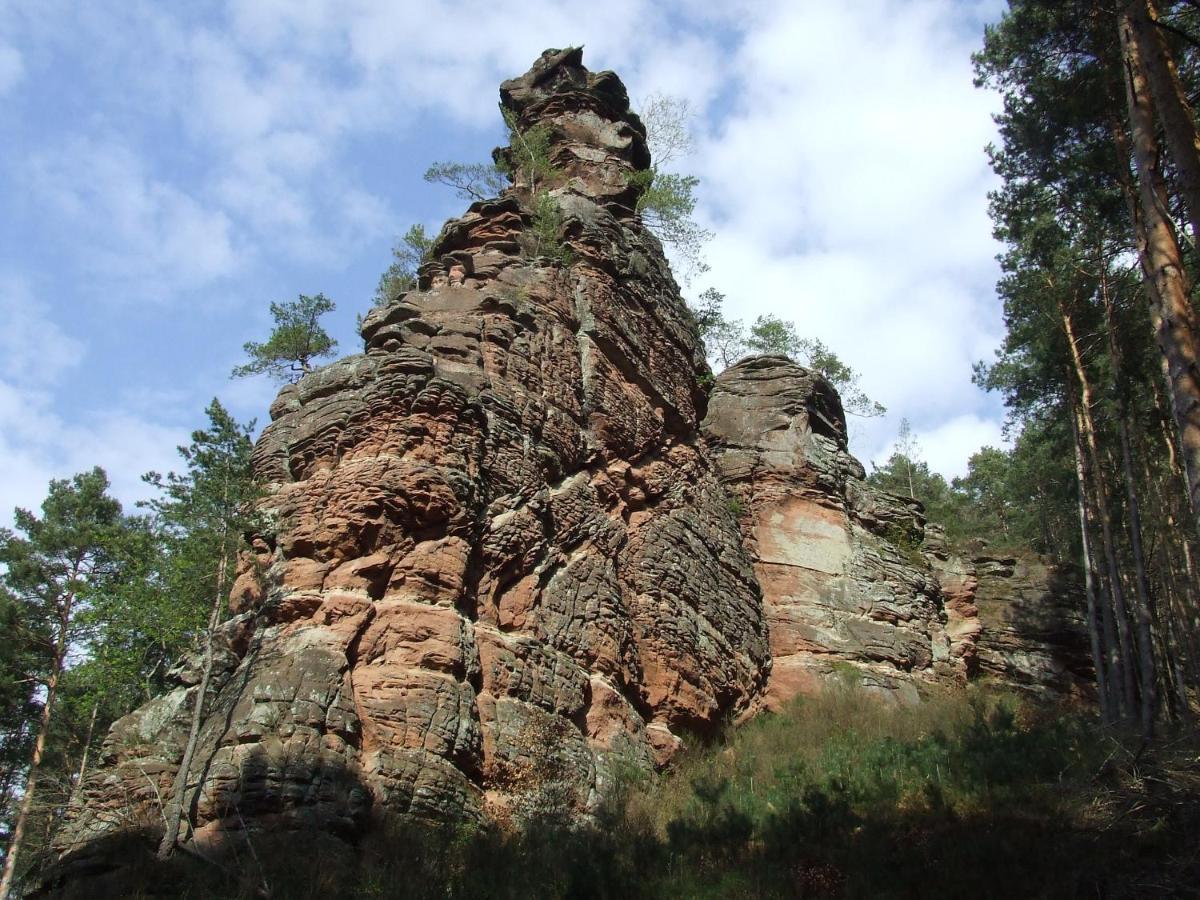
{"x":53,"y":575}
{"x":204,"y":513}
{"x":407,"y":257}
{"x":296,"y":340}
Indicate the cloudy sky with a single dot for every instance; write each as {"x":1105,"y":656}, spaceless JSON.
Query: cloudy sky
{"x":167,"y":170}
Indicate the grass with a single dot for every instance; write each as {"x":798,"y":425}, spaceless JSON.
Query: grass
{"x":968,"y":794}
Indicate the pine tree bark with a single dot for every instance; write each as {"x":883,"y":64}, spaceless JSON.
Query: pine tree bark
{"x":1099,"y":657}
{"x":1143,"y":608}
{"x":1171,"y":104}
{"x":1178,"y":332}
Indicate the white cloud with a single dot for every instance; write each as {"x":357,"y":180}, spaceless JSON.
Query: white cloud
{"x":33,"y":349}
{"x":12,"y":68}
{"x":848,"y":190}
{"x":948,"y":446}
{"x":139,"y":230}
{"x":37,"y":444}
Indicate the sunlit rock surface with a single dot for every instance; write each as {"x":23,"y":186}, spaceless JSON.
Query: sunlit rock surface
{"x":522,"y":539}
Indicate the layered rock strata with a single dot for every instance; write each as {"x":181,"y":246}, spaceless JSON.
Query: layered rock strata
{"x":516,"y":540}
{"x":1033,"y":627}
{"x":499,"y":553}
{"x":855,"y":582}
{"x":846,"y":587}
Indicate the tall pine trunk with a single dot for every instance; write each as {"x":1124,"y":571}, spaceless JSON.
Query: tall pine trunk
{"x":1178,"y":334}
{"x":1099,"y":661}
{"x":1143,"y":608}
{"x":1117,"y":675}
{"x":1171,"y":104}
{"x":1095,"y":470}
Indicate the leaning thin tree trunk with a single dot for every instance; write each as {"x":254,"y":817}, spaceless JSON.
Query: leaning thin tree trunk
{"x":1095,"y":470}
{"x":173,"y":814}
{"x":175,"y":807}
{"x":1177,"y":327}
{"x":39,"y":750}
{"x":1116,"y":668}
{"x":1089,"y":579}
{"x":87,"y":746}
{"x":1171,"y":104}
{"x":1142,"y":606}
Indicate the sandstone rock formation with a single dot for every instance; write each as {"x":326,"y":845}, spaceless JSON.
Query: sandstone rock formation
{"x":845,"y":585}
{"x":499,"y":550}
{"x":505,"y":552}
{"x":1034,"y":629}
{"x":855,"y":583}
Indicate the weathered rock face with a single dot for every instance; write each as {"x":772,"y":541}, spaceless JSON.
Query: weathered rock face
{"x":499,"y":551}
{"x":854,"y":581}
{"x":505,"y":550}
{"x":844,"y":581}
{"x":1033,"y":632}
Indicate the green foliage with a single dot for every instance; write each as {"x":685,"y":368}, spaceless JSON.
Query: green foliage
{"x":470,"y":181}
{"x":296,"y":340}
{"x":1013,"y":500}
{"x":817,"y":356}
{"x":200,"y":516}
{"x":407,"y":256}
{"x":666,"y":200}
{"x":59,"y":572}
{"x":528,"y":157}
{"x":20,"y":655}
{"x":667,"y":205}
{"x":68,"y":558}
{"x":726,"y":341}
{"x":544,"y":237}
{"x":840,"y":794}
{"x":771,"y":335}
{"x":126,"y":596}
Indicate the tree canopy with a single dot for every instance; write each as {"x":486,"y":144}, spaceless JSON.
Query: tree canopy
{"x":295,"y":342}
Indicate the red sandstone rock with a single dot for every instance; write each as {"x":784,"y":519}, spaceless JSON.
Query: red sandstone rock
{"x":500,"y":551}
{"x":507,"y":554}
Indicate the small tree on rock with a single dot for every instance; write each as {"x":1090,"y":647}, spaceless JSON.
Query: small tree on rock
{"x":667,"y":202}
{"x":296,"y":340}
{"x":407,"y":257}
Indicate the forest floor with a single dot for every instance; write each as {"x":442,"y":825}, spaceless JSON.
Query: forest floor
{"x":970,"y":794}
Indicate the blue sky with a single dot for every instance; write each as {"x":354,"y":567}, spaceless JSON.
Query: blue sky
{"x":167,"y":170}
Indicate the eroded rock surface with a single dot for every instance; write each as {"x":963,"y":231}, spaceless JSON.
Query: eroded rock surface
{"x":499,"y":551}
{"x":1033,"y":626}
{"x":846,"y":588}
{"x":506,"y":552}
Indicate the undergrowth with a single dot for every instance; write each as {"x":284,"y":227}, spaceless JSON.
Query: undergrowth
{"x":967,"y":794}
